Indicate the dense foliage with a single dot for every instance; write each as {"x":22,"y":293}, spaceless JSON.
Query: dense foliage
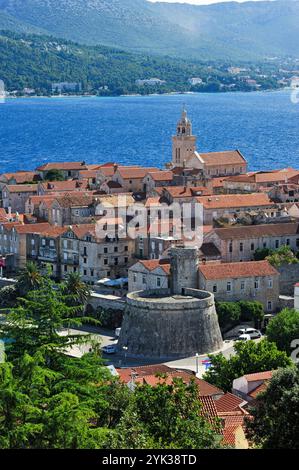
{"x":51,"y":400}
{"x":231,"y":313}
{"x":250,"y":357}
{"x":36,"y":62}
{"x":275,"y":423}
{"x":283,"y":330}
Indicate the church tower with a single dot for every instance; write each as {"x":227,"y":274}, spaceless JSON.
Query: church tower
{"x":183,"y":143}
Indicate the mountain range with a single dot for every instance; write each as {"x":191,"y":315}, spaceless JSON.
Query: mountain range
{"x":249,"y":31}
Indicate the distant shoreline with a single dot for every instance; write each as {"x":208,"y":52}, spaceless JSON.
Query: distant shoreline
{"x":147,"y":95}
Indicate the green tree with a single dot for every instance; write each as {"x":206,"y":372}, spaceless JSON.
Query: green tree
{"x":283,"y":329}
{"x":283,"y":255}
{"x":250,"y":357}
{"x":252,"y":311}
{"x":261,"y":253}
{"x":76,"y":290}
{"x":30,"y":278}
{"x":228,"y":313}
{"x":275,"y":416}
{"x":54,"y":175}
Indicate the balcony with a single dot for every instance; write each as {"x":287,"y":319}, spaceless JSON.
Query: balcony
{"x":47,"y":254}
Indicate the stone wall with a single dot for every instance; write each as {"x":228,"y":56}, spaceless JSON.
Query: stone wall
{"x":160,"y":325}
{"x":289,"y":276}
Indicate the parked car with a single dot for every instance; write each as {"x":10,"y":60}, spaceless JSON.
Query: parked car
{"x":111,"y":349}
{"x":252,"y":332}
{"x":243,"y":338}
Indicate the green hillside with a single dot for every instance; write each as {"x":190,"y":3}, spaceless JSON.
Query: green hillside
{"x":223,"y":31}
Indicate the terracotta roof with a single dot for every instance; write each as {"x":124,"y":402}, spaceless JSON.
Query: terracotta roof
{"x":64,"y":186}
{"x":21,"y":177}
{"x":209,"y":410}
{"x":153,"y":264}
{"x":236,"y":270}
{"x":130,"y":173}
{"x":87,"y":174}
{"x":141,"y":371}
{"x":53,"y":231}
{"x":33,"y":228}
{"x":63,"y":166}
{"x":260,"y":177}
{"x":229,"y":157}
{"x":259,"y":389}
{"x":83,"y":229}
{"x":75,"y":199}
{"x":187,"y":191}
{"x":226,"y":201}
{"x":257,"y":231}
{"x":229,"y":403}
{"x":259,"y":376}
{"x":22,"y":188}
{"x":210,"y":250}
{"x":161,"y":175}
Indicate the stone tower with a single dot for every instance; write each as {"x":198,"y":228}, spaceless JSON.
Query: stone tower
{"x":183,"y":143}
{"x":184,"y":268}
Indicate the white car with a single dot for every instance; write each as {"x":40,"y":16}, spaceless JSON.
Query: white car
{"x":244,"y":338}
{"x":111,"y":349}
{"x":252,"y":332}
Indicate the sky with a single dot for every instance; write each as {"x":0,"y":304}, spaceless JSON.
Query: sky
{"x":200,"y":2}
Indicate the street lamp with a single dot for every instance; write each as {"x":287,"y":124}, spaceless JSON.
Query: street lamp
{"x":125,"y":349}
{"x":197,"y":363}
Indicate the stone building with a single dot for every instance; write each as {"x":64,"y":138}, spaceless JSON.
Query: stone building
{"x":172,"y":323}
{"x":231,"y":282}
{"x":14,"y":197}
{"x":240,"y":243}
{"x":185,"y":154}
{"x":149,"y":274}
{"x":69,"y":170}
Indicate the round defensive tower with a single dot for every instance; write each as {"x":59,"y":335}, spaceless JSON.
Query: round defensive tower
{"x":160,"y":324}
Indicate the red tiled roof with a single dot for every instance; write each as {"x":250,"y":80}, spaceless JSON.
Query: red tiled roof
{"x":33,"y":228}
{"x":129,"y":173}
{"x":237,"y":270}
{"x":187,"y":191}
{"x":226,"y":201}
{"x":141,"y":371}
{"x":22,"y":188}
{"x":161,"y":175}
{"x":259,"y":389}
{"x":153,"y":264}
{"x":259,"y":376}
{"x":63,"y":166}
{"x":65,"y":186}
{"x":257,"y":231}
{"x":21,"y":177}
{"x":229,"y":403}
{"x":229,"y":157}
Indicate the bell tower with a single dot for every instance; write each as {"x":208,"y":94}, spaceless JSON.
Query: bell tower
{"x":183,"y":143}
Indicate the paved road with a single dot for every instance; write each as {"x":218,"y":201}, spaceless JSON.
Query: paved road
{"x":106,"y":337}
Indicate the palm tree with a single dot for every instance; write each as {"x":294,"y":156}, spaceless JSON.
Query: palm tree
{"x":76,"y":289}
{"x":30,"y":278}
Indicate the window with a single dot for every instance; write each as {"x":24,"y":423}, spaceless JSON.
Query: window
{"x":288,"y":242}
{"x":126,"y":259}
{"x":269,"y":306}
{"x":65,"y":256}
{"x":158,"y":282}
{"x":52,"y":244}
{"x":265,"y":245}
{"x":115,"y":249}
{"x":276,"y":243}
{"x":242,"y":285}
{"x":143,"y":279}
{"x":215,"y":288}
{"x":65,"y":268}
{"x":241,"y":246}
{"x":230,"y":247}
{"x":85,"y":251}
{"x":85,"y":260}
{"x":105,"y":250}
{"x":270,"y":283}
{"x":92,"y":272}
{"x":252,"y":247}
{"x":64,"y":243}
{"x":134,"y":277}
{"x":106,"y":261}
{"x":256,"y":284}
{"x":126,"y":248}
{"x":297,"y":242}
{"x":229,"y":287}
{"x":32,"y":242}
{"x":43,"y":242}
{"x":115,"y":261}
{"x":85,"y":272}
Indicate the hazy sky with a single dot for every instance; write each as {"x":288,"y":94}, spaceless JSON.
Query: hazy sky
{"x":200,"y":2}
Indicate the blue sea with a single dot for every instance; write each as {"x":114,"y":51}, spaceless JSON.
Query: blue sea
{"x":138,"y":130}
